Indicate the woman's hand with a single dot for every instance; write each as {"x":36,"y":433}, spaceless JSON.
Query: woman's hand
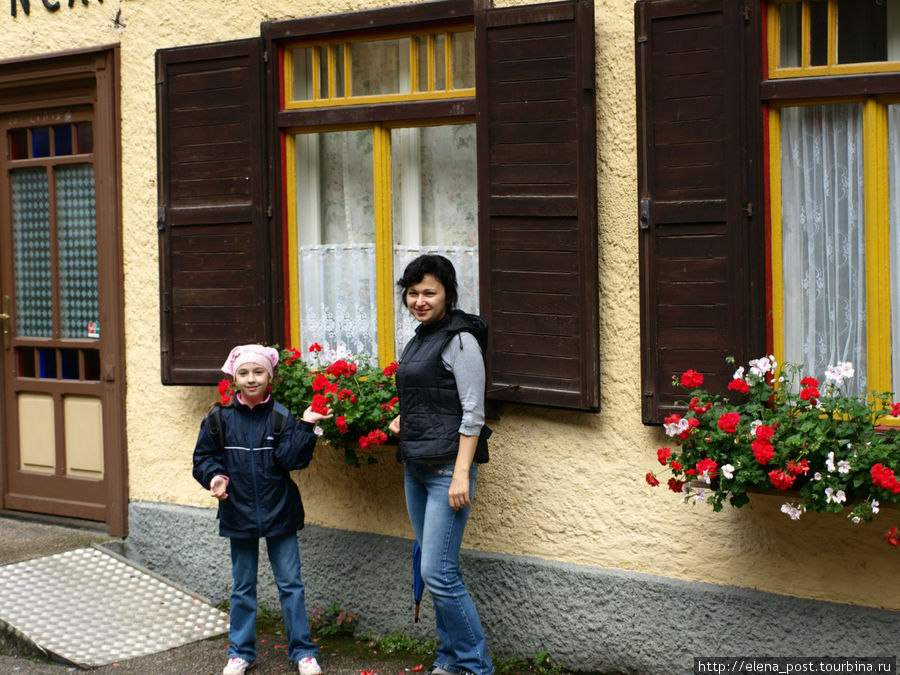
{"x":459,"y":490}
{"x":394,"y":426}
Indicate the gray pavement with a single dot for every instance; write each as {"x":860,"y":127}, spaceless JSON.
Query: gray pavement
{"x":23,"y":537}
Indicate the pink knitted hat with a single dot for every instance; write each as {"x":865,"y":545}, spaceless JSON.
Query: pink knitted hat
{"x":264,"y":356}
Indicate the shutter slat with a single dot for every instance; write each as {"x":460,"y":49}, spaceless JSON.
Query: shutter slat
{"x":214,"y":243}
{"x":702,"y":255}
{"x":537,"y":173}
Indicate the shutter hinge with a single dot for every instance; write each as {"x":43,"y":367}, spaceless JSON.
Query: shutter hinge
{"x":746,"y":11}
{"x":641,"y":39}
{"x":269,"y":211}
{"x":748,"y":209}
{"x":266,"y":56}
{"x":161,"y":218}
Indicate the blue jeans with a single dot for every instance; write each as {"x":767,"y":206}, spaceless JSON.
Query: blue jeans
{"x":284,"y":556}
{"x":439,"y":530}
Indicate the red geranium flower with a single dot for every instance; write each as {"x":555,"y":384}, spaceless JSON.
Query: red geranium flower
{"x":795,"y":468}
{"x":763,"y":451}
{"x":651,"y":480}
{"x":319,"y":383}
{"x":676,"y":466}
{"x":739,"y":385}
{"x":895,"y":410}
{"x":764,"y":432}
{"x":675,"y":485}
{"x":390,"y":368}
{"x":697,"y":407}
{"x":663,"y":455}
{"x":341,"y":368}
{"x":707,"y":466}
{"x":781,"y":480}
{"x":893,"y":537}
{"x":341,"y":423}
{"x":728,"y":422}
{"x":315,"y":347}
{"x":319,"y":404}
{"x":691,"y":379}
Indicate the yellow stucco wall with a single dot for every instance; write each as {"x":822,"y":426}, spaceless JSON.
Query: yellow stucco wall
{"x":561,"y":485}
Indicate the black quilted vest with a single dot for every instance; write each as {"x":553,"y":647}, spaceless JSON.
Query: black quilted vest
{"x":430,"y":412}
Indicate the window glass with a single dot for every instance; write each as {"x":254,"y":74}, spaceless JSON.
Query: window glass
{"x":40,"y":142}
{"x":339,"y":79}
{"x":62,"y":139}
{"x":422,"y":58}
{"x":85,"y":133}
{"x":18,"y":144}
{"x":440,"y":62}
{"x":789,"y":35}
{"x":380,"y":67}
{"x":823,"y":238}
{"x":463,"y":60}
{"x":862,"y":34}
{"x":323,"y":72}
{"x":818,"y":32}
{"x":302,"y":80}
{"x":434,"y":206}
{"x":335,"y":203}
{"x":31,"y":249}
{"x":77,"y":241}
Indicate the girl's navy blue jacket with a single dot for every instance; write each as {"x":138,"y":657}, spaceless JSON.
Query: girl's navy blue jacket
{"x":263,"y":500}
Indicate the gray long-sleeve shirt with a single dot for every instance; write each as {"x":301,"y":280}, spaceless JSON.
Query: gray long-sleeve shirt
{"x":462,"y":357}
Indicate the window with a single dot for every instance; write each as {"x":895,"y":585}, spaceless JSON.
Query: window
{"x":363,"y":202}
{"x":834,"y":213}
{"x":300,"y":171}
{"x":831,"y":37}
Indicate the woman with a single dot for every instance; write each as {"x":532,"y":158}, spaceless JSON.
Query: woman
{"x":440,"y":382}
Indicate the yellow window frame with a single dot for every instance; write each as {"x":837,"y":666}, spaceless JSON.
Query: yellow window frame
{"x":877,"y":227}
{"x":773,"y":33}
{"x":384,"y":268}
{"x":347,"y":97}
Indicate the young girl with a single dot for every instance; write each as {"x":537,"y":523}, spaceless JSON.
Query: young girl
{"x":246,"y":465}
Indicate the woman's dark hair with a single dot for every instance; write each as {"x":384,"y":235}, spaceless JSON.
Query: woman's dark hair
{"x":437,"y":266}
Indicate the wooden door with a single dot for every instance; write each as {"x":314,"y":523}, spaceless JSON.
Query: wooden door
{"x":60,"y":295}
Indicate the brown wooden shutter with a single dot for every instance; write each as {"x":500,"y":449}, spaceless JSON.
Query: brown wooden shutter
{"x":537,"y":195}
{"x":701,"y":218}
{"x":214,"y":242}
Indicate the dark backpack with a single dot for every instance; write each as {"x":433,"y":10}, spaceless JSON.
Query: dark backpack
{"x":279,"y":422}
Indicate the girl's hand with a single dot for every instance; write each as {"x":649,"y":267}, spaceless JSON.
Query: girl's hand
{"x":217,"y":487}
{"x":459,"y":491}
{"x":312,"y":417}
{"x":394,"y":426}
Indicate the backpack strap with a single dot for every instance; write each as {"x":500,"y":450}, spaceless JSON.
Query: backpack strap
{"x":215,"y":426}
{"x":279,"y":419}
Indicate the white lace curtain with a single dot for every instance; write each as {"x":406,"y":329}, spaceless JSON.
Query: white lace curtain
{"x":823,"y":238}
{"x":894,"y":191}
{"x":434,"y":210}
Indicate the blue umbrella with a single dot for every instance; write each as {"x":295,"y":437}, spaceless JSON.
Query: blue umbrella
{"x":418,"y":582}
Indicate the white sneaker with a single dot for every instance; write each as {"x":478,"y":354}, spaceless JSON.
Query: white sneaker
{"x":237,"y":666}
{"x":309,"y":666}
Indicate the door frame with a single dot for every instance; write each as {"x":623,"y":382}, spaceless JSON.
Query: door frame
{"x":54,"y":80}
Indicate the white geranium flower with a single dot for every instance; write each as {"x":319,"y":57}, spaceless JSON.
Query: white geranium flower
{"x":794,"y":512}
{"x":738,"y":374}
{"x":728,"y":471}
{"x":754,"y":425}
{"x":817,"y":476}
{"x":856,"y":520}
{"x":318,"y":431}
{"x":676,"y":428}
{"x":844,"y":466}
{"x":762,"y":365}
{"x":829,"y":463}
{"x":874,"y":506}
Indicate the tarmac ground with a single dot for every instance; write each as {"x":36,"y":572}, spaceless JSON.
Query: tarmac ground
{"x":26,"y":537}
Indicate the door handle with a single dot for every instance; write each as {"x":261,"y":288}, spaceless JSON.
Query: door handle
{"x":4,"y":317}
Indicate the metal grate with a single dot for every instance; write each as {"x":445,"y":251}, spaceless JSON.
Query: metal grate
{"x":90,"y":608}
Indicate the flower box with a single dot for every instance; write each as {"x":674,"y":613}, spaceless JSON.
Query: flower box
{"x":784,"y":433}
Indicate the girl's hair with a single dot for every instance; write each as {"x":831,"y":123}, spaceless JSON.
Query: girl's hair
{"x":436,"y":265}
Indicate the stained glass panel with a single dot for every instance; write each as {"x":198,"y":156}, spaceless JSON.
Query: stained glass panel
{"x":31,"y":249}
{"x":76,"y":221}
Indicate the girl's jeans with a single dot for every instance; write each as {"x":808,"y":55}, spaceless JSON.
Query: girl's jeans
{"x":284,"y":556}
{"x":439,"y":530}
